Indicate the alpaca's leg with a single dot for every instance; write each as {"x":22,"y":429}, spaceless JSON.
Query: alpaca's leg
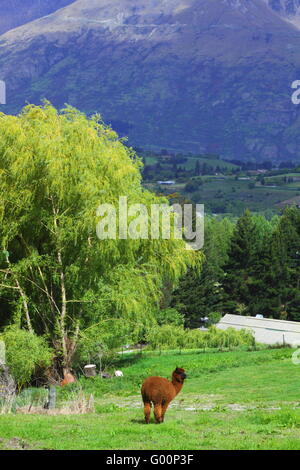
{"x":157,"y":412}
{"x":163,"y":410}
{"x":147,"y":411}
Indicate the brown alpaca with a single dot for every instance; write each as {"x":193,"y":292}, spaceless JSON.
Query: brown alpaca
{"x":68,"y":378}
{"x":161,"y":392}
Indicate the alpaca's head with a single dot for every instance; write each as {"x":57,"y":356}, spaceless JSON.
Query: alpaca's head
{"x":179,"y":375}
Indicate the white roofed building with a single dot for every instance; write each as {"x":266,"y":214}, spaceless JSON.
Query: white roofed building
{"x":265,"y":330}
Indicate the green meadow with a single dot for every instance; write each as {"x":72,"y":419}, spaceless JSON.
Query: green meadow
{"x":230,"y":400}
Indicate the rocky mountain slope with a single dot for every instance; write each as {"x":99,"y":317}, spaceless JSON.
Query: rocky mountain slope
{"x":188,"y":75}
{"x":286,"y":8}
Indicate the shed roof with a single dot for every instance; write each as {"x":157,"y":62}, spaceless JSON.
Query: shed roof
{"x":266,"y":323}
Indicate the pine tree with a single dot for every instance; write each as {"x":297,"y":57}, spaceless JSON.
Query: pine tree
{"x":198,"y":295}
{"x":239,"y":275}
{"x":282,"y":278}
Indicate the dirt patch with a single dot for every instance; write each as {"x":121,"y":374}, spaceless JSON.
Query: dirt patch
{"x":191,"y":403}
{"x":14,"y":443}
{"x":202,"y":403}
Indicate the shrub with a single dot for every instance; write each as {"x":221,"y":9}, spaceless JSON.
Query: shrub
{"x":166,"y":337}
{"x":172,"y":337}
{"x":196,"y":339}
{"x":192,"y":186}
{"x":170,"y":316}
{"x":26,"y":353}
{"x":214,"y":317}
{"x":229,"y":338}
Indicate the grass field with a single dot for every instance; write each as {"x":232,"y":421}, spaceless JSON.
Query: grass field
{"x":232,"y":197}
{"x":191,"y":162}
{"x":231,"y":400}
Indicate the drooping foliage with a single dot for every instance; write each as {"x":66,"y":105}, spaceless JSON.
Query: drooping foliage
{"x":56,"y":277}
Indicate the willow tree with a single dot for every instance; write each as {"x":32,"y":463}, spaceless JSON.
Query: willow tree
{"x":57,"y":277}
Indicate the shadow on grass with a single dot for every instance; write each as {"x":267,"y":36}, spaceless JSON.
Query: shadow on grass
{"x":138,"y":421}
{"x":143,"y":422}
{"x":128,"y":360}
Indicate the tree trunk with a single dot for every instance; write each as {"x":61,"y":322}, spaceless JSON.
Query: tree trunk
{"x":23,"y":296}
{"x":63,"y":312}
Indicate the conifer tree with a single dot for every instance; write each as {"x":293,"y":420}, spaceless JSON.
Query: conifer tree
{"x":238,"y":271}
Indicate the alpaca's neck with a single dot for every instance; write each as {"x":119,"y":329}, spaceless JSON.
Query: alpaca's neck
{"x":177,"y":385}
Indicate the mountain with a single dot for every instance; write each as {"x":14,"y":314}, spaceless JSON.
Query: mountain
{"x":289,"y":9}
{"x":15,"y":13}
{"x":188,"y":75}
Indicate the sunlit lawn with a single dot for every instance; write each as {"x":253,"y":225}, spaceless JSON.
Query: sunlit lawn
{"x":231,"y":400}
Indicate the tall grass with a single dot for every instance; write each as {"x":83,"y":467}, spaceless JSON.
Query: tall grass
{"x":7,"y":404}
